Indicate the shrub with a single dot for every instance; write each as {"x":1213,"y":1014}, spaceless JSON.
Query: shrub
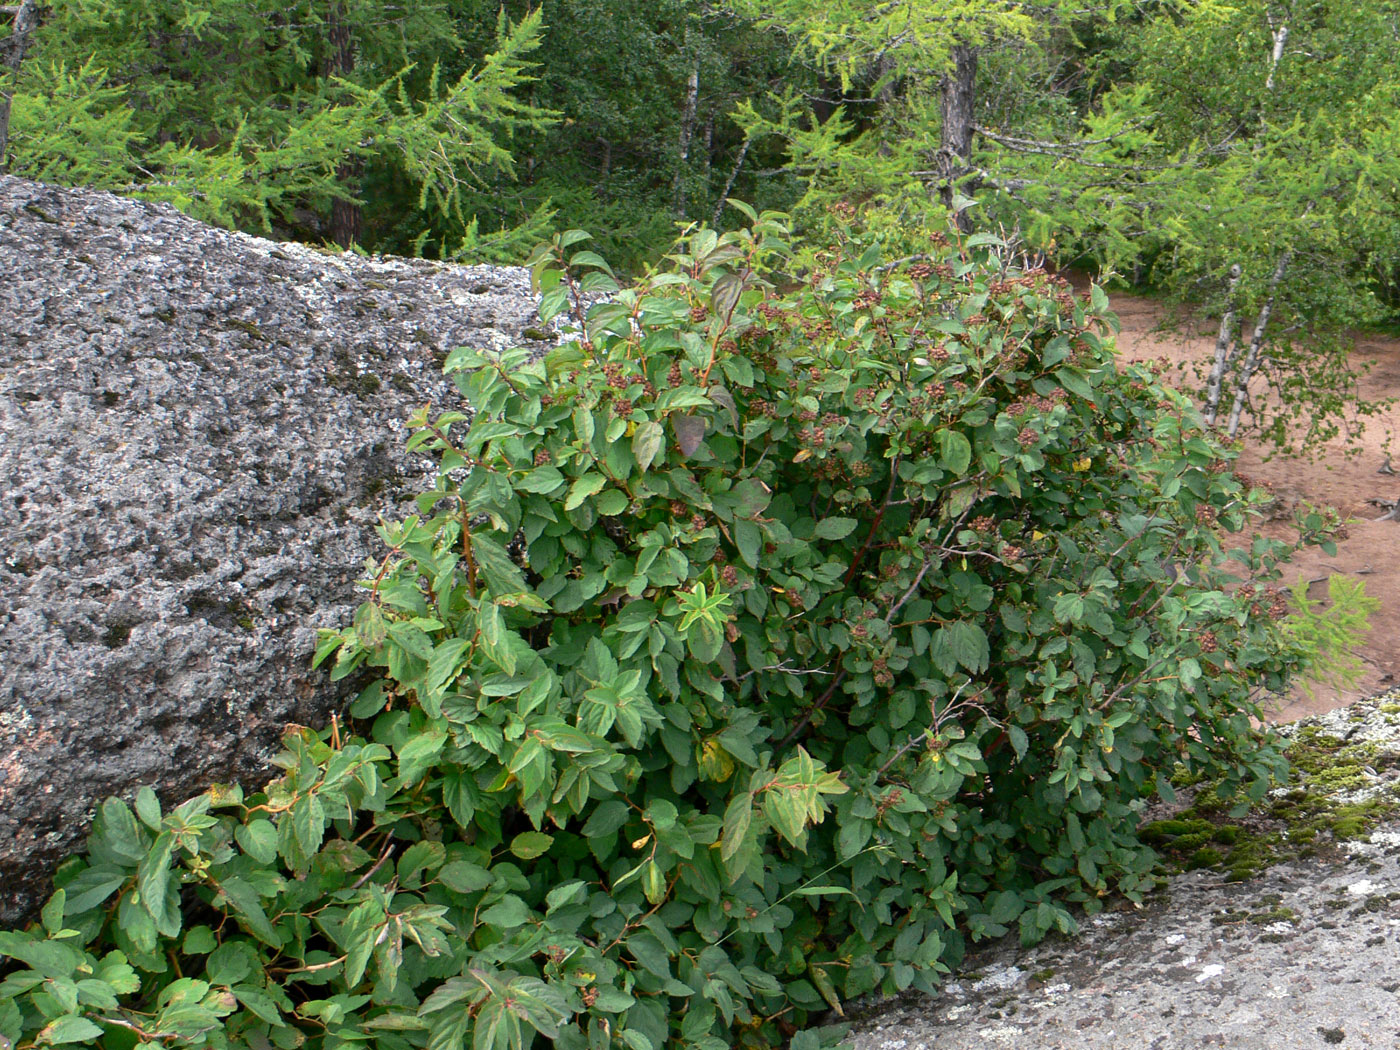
{"x":753,"y":652}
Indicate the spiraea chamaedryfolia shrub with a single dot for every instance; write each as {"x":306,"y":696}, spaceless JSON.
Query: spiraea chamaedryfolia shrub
{"x":755,"y":651}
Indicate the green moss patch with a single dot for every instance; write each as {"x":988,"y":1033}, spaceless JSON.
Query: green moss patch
{"x":1337,"y":792}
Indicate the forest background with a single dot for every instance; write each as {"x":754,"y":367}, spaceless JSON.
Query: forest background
{"x":1239,"y":156}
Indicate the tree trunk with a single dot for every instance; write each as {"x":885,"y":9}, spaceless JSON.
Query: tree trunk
{"x":26,"y":17}
{"x":692,"y":98}
{"x":340,"y":62}
{"x":1223,"y":344}
{"x":1280,"y":39}
{"x":1256,"y":343}
{"x":956,"y":92}
{"x":729,"y":182}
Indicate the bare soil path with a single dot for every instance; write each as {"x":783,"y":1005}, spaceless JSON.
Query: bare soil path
{"x":1346,"y":482}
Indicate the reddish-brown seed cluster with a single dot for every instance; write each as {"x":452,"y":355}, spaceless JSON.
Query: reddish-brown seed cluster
{"x":866,"y":298}
{"x":1027,"y":437}
{"x":698,"y":313}
{"x":623,"y":407}
{"x":1207,"y":641}
{"x":861,"y":469}
{"x":761,"y":407}
{"x":590,"y":995}
{"x":921,"y":271}
{"x":1011,"y":552}
{"x":1036,"y":403}
{"x":697,"y":522}
{"x":938,"y":353}
{"x":806,"y":415}
{"x":541,"y":456}
{"x":843,"y":210}
{"x":729,"y":575}
{"x":613,"y":371}
{"x":678,"y":508}
{"x":1205,"y":514}
{"x":673,"y":376}
{"x":891,"y":798}
{"x":938,"y":391}
{"x":982,"y":523}
{"x":1278,"y":602}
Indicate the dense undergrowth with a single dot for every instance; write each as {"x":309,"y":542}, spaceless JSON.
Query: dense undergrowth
{"x":758,"y":650}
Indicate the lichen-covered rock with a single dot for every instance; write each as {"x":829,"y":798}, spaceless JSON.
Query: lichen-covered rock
{"x":198,"y":430}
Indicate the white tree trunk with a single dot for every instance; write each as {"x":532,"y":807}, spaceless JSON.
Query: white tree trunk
{"x":26,"y":18}
{"x":1256,"y":343}
{"x":729,"y":182}
{"x":692,"y":98}
{"x":1280,"y":39}
{"x":1223,"y":343}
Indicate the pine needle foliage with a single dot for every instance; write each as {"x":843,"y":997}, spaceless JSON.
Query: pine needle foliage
{"x":757,"y":650}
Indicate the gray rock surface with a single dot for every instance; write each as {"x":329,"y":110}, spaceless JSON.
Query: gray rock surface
{"x":198,"y":430}
{"x":1306,"y":955}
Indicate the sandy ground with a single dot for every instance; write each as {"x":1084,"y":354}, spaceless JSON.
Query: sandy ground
{"x":1346,"y":482}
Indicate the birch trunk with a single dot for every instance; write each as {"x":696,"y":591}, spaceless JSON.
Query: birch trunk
{"x":1280,"y":39}
{"x":1256,"y":343}
{"x":956,"y":97}
{"x":1223,"y":343}
{"x":729,"y":182}
{"x":26,"y":17}
{"x":692,"y":98}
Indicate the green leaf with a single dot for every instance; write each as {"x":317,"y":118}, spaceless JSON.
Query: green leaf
{"x":153,"y":876}
{"x":646,"y":443}
{"x":249,"y":908}
{"x":531,"y":844}
{"x":543,"y":480}
{"x":749,"y":540}
{"x":259,"y":840}
{"x":738,"y":817}
{"x":583,"y":488}
{"x":955,"y":451}
{"x":464,"y":877}
{"x":68,"y":1030}
{"x":507,"y":913}
{"x":148,"y":808}
{"x":834,"y":528}
{"x":611,"y":503}
{"x":418,"y":754}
